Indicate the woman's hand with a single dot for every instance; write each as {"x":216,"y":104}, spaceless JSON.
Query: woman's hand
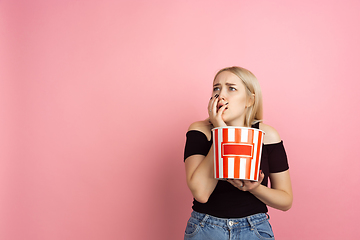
{"x":215,"y":115}
{"x":246,"y":185}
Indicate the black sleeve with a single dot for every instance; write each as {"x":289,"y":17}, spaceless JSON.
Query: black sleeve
{"x":196,"y":143}
{"x":277,"y":158}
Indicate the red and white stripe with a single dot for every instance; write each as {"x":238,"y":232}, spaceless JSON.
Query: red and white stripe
{"x":237,"y":152}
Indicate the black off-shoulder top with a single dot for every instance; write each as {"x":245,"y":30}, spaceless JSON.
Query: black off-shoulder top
{"x":226,"y":201}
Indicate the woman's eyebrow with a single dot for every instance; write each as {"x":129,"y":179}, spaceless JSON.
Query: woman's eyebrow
{"x":228,"y":84}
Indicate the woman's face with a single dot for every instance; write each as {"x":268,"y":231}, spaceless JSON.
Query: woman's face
{"x":231,"y":90}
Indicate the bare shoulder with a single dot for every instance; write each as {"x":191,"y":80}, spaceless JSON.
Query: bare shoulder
{"x":271,"y":135}
{"x":202,"y":126}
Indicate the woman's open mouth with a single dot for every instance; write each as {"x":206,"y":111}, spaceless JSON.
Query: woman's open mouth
{"x":220,"y":105}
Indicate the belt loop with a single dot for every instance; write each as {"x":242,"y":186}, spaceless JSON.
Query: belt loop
{"x":251,"y":223}
{"x":204,"y":220}
{"x":268,"y":216}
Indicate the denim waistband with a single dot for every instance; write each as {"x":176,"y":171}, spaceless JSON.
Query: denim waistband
{"x":231,"y":223}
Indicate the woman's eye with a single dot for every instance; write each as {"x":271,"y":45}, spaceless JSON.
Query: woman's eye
{"x":216,"y":89}
{"x":232,"y":88}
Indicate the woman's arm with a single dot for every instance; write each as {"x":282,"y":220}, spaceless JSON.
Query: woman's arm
{"x":200,"y":175}
{"x":200,"y":169}
{"x":280,"y":194}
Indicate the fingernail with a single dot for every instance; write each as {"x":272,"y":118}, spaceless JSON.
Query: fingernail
{"x":216,"y":95}
{"x":210,"y":98}
{"x":226,"y":103}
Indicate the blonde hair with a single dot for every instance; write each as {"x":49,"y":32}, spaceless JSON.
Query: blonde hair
{"x":254,"y":113}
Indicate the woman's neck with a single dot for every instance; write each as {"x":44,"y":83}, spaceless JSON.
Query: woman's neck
{"x":239,"y":123}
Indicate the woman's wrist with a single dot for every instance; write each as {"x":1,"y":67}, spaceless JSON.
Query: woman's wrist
{"x":257,"y":190}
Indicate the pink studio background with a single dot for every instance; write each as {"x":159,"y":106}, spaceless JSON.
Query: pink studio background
{"x":96,"y":98}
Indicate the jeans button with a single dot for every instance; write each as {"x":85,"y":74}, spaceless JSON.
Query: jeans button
{"x":231,"y":223}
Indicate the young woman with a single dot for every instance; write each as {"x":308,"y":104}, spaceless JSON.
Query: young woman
{"x":232,"y":208}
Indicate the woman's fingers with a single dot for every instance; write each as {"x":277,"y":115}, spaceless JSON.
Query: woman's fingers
{"x":212,"y":104}
{"x":222,"y":109}
{"x":246,"y":185}
{"x":237,"y":183}
{"x":212,"y":107}
{"x":261,"y":176}
{"x":215,"y":114}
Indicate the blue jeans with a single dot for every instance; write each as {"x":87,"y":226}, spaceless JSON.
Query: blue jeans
{"x":202,"y":226}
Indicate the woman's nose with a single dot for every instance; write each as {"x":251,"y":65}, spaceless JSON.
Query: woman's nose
{"x":222,"y":95}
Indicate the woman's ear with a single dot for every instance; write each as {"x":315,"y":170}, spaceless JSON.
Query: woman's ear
{"x":251,"y":100}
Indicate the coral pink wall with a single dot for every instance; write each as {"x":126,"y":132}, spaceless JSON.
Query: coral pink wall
{"x":96,"y":98}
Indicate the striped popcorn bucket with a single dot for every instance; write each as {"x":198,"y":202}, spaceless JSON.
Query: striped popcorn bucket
{"x":237,"y":152}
